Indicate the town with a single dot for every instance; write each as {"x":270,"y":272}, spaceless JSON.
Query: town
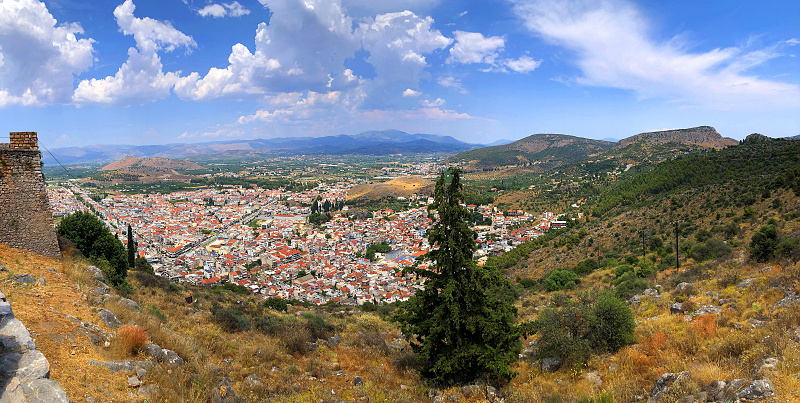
{"x":262,"y":239}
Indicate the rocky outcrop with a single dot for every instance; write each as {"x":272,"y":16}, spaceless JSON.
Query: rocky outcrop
{"x":666,"y":383}
{"x":703,"y":136}
{"x":108,"y":317}
{"x":24,"y":370}
{"x":752,"y":137}
{"x":130,"y":304}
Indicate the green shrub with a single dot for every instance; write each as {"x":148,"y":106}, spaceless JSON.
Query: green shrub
{"x":318,"y":326}
{"x":612,"y":324}
{"x":277,"y":304}
{"x":142,"y":265}
{"x":622,"y":269}
{"x":628,"y":284}
{"x":711,"y":249}
{"x":587,"y":266}
{"x":562,"y":334}
{"x":763,"y":243}
{"x":702,"y":235}
{"x":730,"y":230}
{"x":526,"y":282}
{"x":787,"y":246}
{"x":561,"y":280}
{"x":232,"y":320}
{"x":153,"y":310}
{"x":232,"y":288}
{"x":573,"y":330}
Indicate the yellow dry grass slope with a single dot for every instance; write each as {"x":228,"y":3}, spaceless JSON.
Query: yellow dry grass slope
{"x":399,"y":187}
{"x":46,"y":310}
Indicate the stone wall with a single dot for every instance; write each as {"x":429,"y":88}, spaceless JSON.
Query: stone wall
{"x":26,"y":220}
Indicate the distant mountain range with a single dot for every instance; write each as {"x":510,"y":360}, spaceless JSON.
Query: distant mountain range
{"x":548,"y":151}
{"x":367,"y":143}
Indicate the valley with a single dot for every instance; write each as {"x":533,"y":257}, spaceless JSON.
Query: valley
{"x":303,"y":263}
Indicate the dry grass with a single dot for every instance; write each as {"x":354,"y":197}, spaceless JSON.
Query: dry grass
{"x":42,"y":308}
{"x":710,"y":347}
{"x":132,"y":339}
{"x":405,"y":186}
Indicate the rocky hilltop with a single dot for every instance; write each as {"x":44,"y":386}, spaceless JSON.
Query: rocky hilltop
{"x":704,"y":136}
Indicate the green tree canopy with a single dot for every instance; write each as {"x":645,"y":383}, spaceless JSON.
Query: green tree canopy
{"x":464,"y":321}
{"x":763,"y":243}
{"x":97,"y":243}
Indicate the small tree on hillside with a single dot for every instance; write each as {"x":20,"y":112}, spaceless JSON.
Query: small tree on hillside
{"x":464,"y":321}
{"x":131,"y":248}
{"x":763,"y":243}
{"x":97,"y":243}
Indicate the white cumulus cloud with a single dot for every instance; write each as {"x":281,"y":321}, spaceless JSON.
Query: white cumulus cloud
{"x":287,"y":56}
{"x":411,"y":93}
{"x":39,"y":58}
{"x":614,"y":47}
{"x":140,"y":79}
{"x":524,"y":64}
{"x":397,"y":43}
{"x":473,"y":47}
{"x":234,"y":9}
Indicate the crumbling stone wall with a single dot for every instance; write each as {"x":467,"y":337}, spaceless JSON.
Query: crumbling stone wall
{"x":26,"y":220}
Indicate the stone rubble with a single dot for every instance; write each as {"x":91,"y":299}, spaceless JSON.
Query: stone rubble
{"x":24,"y":371}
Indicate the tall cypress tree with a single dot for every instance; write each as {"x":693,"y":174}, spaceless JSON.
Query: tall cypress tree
{"x":131,"y":249}
{"x":464,"y":321}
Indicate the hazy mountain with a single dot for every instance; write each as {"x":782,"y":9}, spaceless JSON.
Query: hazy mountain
{"x":499,"y":142}
{"x":369,"y":142}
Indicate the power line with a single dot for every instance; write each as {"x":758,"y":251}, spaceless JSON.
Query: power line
{"x":54,"y":157}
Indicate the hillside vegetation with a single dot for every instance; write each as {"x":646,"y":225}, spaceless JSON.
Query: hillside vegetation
{"x":551,"y":150}
{"x":715,"y":319}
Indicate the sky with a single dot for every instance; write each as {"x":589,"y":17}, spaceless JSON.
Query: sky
{"x":186,"y":71}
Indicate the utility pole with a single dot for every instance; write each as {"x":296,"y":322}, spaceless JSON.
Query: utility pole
{"x":643,"y":234}
{"x":677,"y":251}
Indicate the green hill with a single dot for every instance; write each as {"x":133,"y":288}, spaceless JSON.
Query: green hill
{"x":547,"y":150}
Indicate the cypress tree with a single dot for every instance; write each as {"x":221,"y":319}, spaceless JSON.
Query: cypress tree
{"x":131,"y":249}
{"x":464,"y":321}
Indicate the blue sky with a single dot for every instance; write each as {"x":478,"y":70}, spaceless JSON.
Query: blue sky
{"x":174,"y":71}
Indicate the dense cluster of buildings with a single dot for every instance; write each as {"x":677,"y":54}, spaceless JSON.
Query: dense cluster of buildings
{"x":260,"y":239}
